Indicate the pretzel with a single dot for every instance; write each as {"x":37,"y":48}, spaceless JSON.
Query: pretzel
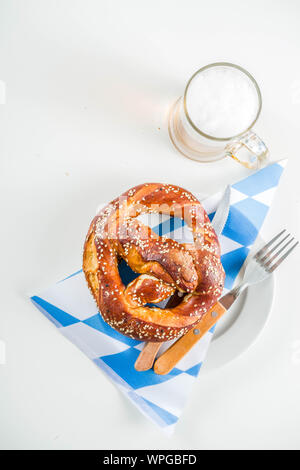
{"x":165,"y":266}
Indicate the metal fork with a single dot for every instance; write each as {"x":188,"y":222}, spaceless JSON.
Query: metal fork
{"x":260,"y":266}
{"x":265,"y":261}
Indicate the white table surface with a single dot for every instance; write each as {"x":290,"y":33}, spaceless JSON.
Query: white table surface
{"x":88,"y":87}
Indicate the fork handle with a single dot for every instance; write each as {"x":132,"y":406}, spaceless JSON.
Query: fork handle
{"x":168,"y":360}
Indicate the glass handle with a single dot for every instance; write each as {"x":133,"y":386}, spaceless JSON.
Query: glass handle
{"x":249,"y":150}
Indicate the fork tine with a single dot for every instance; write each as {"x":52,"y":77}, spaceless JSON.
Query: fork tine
{"x":274,"y":266}
{"x":273,"y":249}
{"x":264,"y":248}
{"x":272,"y":258}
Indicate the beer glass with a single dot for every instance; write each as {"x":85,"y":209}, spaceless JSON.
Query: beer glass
{"x":218,"y":99}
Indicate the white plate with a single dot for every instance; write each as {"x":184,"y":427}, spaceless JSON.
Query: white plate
{"x":242,"y":324}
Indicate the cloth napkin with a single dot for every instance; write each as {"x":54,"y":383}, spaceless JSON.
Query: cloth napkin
{"x":68,"y":304}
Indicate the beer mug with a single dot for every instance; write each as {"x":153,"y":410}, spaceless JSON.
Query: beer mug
{"x":215,"y":117}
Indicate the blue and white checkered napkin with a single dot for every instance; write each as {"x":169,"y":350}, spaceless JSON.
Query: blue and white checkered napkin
{"x":69,"y":305}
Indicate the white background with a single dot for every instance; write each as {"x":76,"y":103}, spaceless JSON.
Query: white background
{"x":88,"y":87}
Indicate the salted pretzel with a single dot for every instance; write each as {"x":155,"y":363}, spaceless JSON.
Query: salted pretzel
{"x":165,"y":266}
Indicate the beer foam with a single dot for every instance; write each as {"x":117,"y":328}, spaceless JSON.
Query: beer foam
{"x":222,"y":101}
